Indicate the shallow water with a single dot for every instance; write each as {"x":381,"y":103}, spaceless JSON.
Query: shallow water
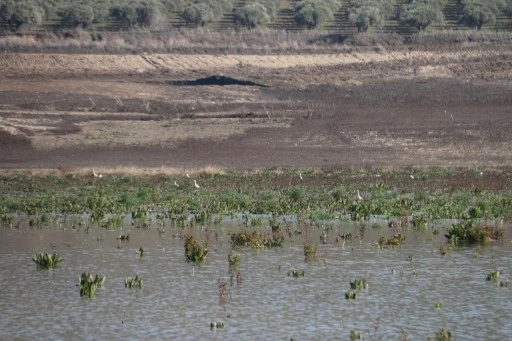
{"x":180,"y":299}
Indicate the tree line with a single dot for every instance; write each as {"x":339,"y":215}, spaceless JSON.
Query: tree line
{"x":309,"y":14}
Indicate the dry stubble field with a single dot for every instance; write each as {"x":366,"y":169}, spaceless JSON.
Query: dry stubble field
{"x":450,"y":107}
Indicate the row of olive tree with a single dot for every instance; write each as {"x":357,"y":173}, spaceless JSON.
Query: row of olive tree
{"x":364,"y":14}
{"x":82,"y":13}
{"x":256,"y":13}
{"x":422,"y":13}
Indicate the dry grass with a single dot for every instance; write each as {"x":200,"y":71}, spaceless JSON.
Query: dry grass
{"x":254,"y":41}
{"x":118,"y":171}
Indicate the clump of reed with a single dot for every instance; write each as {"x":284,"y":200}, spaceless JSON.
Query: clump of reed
{"x":46,"y":260}
{"x":194,"y":251}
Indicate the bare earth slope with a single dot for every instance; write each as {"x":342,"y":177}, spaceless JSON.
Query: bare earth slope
{"x":364,"y":109}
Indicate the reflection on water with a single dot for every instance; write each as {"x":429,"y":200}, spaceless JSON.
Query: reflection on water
{"x":179,"y":299}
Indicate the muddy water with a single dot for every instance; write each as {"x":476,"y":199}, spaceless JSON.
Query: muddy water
{"x":179,"y":300}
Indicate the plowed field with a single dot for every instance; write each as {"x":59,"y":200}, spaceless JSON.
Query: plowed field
{"x":365,"y":109}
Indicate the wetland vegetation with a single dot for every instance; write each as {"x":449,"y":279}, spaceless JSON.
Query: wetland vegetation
{"x":466,"y":195}
{"x":303,"y":220}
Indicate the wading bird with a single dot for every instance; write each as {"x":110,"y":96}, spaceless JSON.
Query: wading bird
{"x":359,"y":197}
{"x":96,"y":175}
{"x":176,"y":184}
{"x":195,"y":184}
{"x":300,"y":176}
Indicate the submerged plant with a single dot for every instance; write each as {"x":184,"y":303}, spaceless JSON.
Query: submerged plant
{"x":89,"y":284}
{"x":359,"y":283}
{"x":194,"y":251}
{"x":140,"y":251}
{"x":46,"y":260}
{"x":135,"y":282}
{"x":233,"y":258}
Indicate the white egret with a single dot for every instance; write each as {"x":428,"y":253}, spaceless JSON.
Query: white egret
{"x":196,"y":185}
{"x":96,"y":175}
{"x":359,"y":197}
{"x":188,"y":176}
{"x":300,"y":176}
{"x":176,"y":184}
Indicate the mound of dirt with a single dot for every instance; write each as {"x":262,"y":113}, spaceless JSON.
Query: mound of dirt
{"x":217,"y":80}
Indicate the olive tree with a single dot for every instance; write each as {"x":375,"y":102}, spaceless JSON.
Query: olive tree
{"x":422,"y":13}
{"x":137,"y":13}
{"x":201,"y":12}
{"x":366,"y":13}
{"x":15,"y":13}
{"x":252,"y":15}
{"x":476,"y":13}
{"x":312,"y":13}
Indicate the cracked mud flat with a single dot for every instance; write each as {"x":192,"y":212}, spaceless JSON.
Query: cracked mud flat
{"x":372,"y":109}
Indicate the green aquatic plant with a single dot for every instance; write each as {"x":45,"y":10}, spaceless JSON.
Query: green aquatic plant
{"x":89,"y":284}
{"x":359,"y":283}
{"x":470,"y":232}
{"x":140,"y":251}
{"x":257,"y":239}
{"x":194,"y":251}
{"x":123,"y":237}
{"x":396,"y":240}
{"x":438,"y":305}
{"x":310,"y":251}
{"x":46,"y":260}
{"x":233,"y":258}
{"x":215,"y":325}
{"x":351,"y":294}
{"x":443,"y":249}
{"x":493,"y":276}
{"x":113,"y":221}
{"x":355,"y":335}
{"x":442,"y":335}
{"x":135,"y":282}
{"x":296,"y":273}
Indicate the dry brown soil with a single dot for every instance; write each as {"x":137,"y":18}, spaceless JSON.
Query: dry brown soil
{"x":450,"y":107}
